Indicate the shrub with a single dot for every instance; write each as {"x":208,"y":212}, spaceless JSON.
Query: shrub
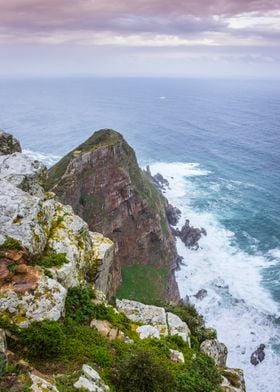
{"x":202,"y":376}
{"x":78,"y":304}
{"x":53,"y":260}
{"x":43,"y":339}
{"x":142,"y":371}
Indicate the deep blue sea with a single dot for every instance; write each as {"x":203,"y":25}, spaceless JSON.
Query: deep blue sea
{"x":218,"y":143}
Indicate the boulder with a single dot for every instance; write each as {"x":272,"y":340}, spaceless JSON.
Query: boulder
{"x":216,"y":350}
{"x":258,"y":355}
{"x":233,"y":380}
{"x":176,"y":356}
{"x":41,"y":385}
{"x":91,"y":381}
{"x":8,"y":144}
{"x":178,"y":327}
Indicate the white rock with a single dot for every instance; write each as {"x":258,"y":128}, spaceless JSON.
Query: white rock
{"x":176,"y":356}
{"x":178,"y":327}
{"x":91,"y":381}
{"x":146,"y":314}
{"x":41,"y":385}
{"x":90,"y":373}
{"x":148,"y":331}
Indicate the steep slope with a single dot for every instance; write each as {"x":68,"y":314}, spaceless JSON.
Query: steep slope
{"x":103,"y":183}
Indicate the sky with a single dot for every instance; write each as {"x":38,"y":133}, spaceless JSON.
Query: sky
{"x":153,"y":38}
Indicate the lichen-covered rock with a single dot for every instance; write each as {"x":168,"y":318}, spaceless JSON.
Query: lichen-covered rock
{"x":148,"y":331}
{"x":40,"y":224}
{"x":45,"y":302}
{"x":91,"y":381}
{"x":8,"y":143}
{"x":146,"y":314}
{"x":178,"y":327}
{"x":24,"y":172}
{"x":176,"y":356}
{"x":156,"y":317}
{"x":233,"y":380}
{"x":103,"y":183}
{"x":216,"y":350}
{"x":41,"y":385}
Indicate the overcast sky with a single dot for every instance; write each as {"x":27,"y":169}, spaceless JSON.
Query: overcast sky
{"x":190,"y":38}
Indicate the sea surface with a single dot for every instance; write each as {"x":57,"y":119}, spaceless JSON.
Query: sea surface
{"x":218,"y":144}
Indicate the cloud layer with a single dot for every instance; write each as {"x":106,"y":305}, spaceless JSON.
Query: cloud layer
{"x":190,"y":36}
{"x":177,"y":22}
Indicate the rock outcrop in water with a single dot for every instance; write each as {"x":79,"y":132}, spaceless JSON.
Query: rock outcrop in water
{"x":190,"y":235}
{"x":103,"y":183}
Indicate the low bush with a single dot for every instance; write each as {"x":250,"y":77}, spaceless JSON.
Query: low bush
{"x":43,"y":339}
{"x":141,"y":370}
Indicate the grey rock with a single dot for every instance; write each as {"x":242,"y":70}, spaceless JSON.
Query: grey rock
{"x":8,"y":144}
{"x":173,"y":214}
{"x":201,"y":294}
{"x":258,"y":355}
{"x":216,"y":350}
{"x":190,"y":235}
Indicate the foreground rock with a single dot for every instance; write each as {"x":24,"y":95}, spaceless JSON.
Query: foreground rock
{"x":91,"y":381}
{"x":3,"y":349}
{"x":216,"y":350}
{"x":34,"y":227}
{"x":8,"y":144}
{"x":103,"y":183}
{"x":157,"y":322}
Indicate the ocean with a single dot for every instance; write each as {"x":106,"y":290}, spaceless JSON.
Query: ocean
{"x":218,"y":144}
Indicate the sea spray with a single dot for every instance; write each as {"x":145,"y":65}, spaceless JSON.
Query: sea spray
{"x":237,"y":303}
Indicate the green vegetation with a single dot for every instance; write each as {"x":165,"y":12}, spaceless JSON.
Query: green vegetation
{"x":44,"y":339}
{"x":80,"y":308}
{"x":11,"y":244}
{"x":52,"y":260}
{"x":62,"y":347}
{"x":144,"y":283}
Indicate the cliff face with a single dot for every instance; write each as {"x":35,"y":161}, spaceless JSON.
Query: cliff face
{"x":103,"y":183}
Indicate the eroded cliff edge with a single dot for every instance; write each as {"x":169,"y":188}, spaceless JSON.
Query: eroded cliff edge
{"x":103,"y":183}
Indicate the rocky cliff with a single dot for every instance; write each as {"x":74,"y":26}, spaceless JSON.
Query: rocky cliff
{"x":57,"y":331}
{"x":103,"y":183}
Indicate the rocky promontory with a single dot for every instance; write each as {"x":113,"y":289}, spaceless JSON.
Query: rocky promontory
{"x":103,"y":183}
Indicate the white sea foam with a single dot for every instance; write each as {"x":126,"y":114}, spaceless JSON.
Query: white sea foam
{"x":47,"y":159}
{"x":237,"y":304}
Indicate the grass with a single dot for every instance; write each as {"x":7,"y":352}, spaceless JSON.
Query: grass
{"x":144,"y":283}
